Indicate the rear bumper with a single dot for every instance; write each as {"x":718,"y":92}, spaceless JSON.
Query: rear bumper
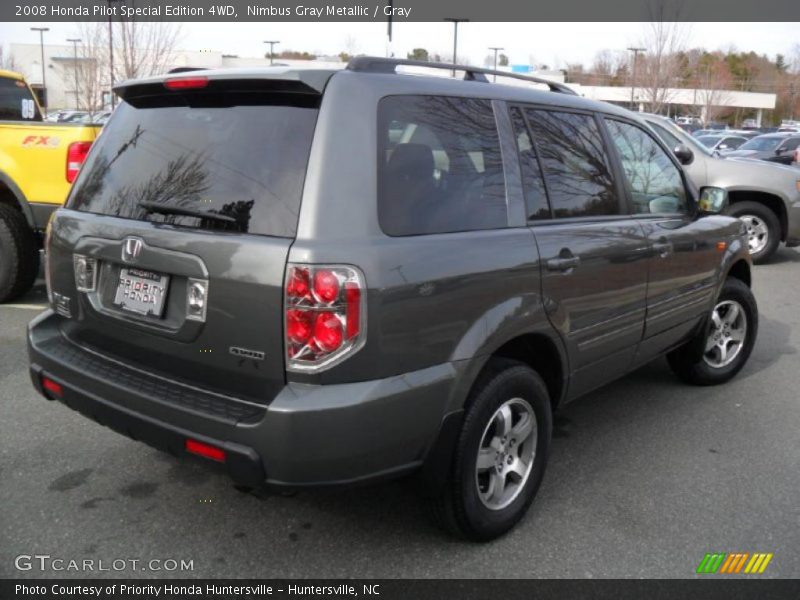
{"x":309,"y":435}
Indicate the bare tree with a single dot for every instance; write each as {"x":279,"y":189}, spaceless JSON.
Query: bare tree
{"x":713,"y":82}
{"x":659,"y":69}
{"x":144,"y":48}
{"x":92,"y":67}
{"x":7,"y":60}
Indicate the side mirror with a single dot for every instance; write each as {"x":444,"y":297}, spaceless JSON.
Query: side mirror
{"x":713,"y":200}
{"x":684,"y":155}
{"x":779,"y":151}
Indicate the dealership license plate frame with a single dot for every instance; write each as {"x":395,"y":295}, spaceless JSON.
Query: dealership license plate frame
{"x":142,"y":301}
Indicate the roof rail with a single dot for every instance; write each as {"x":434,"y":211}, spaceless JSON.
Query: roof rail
{"x":375,"y":64}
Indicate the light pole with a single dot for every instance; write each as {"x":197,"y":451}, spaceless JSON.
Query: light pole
{"x":271,"y":46}
{"x":455,"y":23}
{"x":496,"y":50}
{"x":75,"y":65}
{"x":111,"y":50}
{"x":636,"y":52}
{"x":41,"y":31}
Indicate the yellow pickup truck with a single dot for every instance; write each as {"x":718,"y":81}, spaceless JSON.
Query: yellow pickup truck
{"x":38,"y":162}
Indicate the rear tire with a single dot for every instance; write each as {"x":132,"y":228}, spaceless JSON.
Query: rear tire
{"x":763,"y":228}
{"x":716,"y":354}
{"x":19,"y":254}
{"x":509,"y":398}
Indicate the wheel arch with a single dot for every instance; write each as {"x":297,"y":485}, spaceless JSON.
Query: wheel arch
{"x":11,"y":195}
{"x":740,"y":270}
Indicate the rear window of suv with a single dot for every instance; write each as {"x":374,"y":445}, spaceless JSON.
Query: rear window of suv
{"x":439,"y":166}
{"x":222,"y":161}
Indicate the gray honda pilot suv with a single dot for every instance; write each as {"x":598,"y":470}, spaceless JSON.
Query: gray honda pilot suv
{"x":315,"y":278}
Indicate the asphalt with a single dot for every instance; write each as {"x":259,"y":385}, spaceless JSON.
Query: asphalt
{"x":645,"y":477}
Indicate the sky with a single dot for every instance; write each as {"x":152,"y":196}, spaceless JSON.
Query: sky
{"x":552,"y":44}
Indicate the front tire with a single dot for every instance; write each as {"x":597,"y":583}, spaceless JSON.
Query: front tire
{"x":501,"y":453}
{"x":720,"y":350}
{"x":763,"y":228}
{"x":19,"y":254}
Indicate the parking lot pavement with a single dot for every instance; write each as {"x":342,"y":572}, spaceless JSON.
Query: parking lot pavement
{"x":645,"y":477}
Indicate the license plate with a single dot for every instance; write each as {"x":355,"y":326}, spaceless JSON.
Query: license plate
{"x":141,"y":292}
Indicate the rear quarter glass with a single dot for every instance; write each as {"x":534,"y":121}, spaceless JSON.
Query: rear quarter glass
{"x":238,"y":156}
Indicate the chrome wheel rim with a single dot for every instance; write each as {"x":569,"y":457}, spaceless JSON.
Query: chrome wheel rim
{"x":727,"y":334}
{"x":757,"y":233}
{"x":506,"y":454}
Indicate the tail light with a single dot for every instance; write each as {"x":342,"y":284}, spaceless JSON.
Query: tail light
{"x":76,"y":155}
{"x":48,"y":234}
{"x":325,"y":315}
{"x":186,"y":83}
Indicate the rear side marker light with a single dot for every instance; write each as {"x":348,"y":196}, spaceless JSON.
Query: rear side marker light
{"x":76,"y":155}
{"x":52,"y":388}
{"x":325,"y":315}
{"x":205,"y":450}
{"x":186,"y":83}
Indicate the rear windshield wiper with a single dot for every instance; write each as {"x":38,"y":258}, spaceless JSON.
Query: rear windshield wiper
{"x":167,"y":209}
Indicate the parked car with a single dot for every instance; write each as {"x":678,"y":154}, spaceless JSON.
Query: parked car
{"x":765,"y":196}
{"x":227,"y":282}
{"x":721,"y":142}
{"x":776,"y":147}
{"x":38,"y":161}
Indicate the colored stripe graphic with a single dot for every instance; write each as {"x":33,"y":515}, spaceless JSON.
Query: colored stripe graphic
{"x":724,"y":563}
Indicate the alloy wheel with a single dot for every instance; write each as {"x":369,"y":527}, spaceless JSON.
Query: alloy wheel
{"x":506,"y":453}
{"x":727,"y":334}
{"x":757,"y":233}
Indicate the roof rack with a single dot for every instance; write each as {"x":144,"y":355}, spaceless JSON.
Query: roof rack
{"x":375,"y":64}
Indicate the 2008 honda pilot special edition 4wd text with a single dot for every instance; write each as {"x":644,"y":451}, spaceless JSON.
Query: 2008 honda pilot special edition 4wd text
{"x":320,"y":278}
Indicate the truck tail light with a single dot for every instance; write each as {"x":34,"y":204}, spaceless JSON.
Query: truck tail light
{"x":76,"y":155}
{"x":325,"y":315}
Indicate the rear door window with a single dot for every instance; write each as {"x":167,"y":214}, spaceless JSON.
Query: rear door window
{"x":17,"y":102}
{"x":439,"y":166}
{"x":532,"y":179}
{"x":232,"y":161}
{"x":577,"y":172}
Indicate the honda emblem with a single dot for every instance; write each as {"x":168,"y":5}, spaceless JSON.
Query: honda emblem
{"x":131,"y":249}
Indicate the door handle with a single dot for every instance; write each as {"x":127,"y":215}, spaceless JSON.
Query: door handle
{"x":563,"y":263}
{"x":663,"y":248}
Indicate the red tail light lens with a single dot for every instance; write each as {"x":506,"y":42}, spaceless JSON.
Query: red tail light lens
{"x":186,"y":83}
{"x":205,"y":450}
{"x":328,"y":332}
{"x":325,"y":315}
{"x":76,"y":155}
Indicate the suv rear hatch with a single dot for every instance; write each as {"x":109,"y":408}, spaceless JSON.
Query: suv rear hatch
{"x":171,"y":254}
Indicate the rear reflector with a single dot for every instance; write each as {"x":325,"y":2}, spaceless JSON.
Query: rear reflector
{"x":76,"y":155}
{"x":53,"y":388}
{"x":205,"y":450}
{"x":186,"y":83}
